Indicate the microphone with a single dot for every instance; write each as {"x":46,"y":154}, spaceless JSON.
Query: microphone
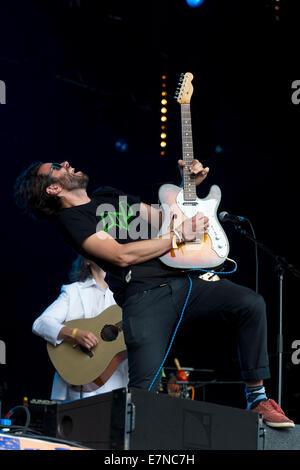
{"x":225,"y":217}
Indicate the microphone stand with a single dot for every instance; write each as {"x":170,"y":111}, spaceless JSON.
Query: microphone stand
{"x":281,"y":266}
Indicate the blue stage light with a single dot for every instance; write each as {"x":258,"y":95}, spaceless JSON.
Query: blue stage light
{"x":121,"y":145}
{"x":194,"y":3}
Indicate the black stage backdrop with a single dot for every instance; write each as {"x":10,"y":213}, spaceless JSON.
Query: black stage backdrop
{"x":82,"y":76}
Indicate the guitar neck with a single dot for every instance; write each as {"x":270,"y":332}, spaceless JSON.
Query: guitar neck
{"x":189,"y":185}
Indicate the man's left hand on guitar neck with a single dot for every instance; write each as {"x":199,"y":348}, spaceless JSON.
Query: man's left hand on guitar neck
{"x":197,"y":169}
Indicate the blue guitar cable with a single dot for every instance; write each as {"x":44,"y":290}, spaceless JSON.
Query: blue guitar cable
{"x":173,"y":337}
{"x":217,"y":272}
{"x":182,"y":312}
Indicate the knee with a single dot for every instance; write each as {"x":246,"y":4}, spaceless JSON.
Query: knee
{"x":254,"y":304}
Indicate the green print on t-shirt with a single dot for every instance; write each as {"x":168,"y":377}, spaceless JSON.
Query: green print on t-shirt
{"x":117,"y":219}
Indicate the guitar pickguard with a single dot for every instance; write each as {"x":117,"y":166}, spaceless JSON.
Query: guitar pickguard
{"x":208,"y":206}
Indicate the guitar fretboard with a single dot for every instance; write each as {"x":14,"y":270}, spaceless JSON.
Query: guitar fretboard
{"x":189,"y":186}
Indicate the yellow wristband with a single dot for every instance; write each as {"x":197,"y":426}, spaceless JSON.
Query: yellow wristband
{"x":74,"y":333}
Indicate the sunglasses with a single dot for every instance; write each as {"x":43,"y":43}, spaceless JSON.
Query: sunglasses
{"x":56,"y":166}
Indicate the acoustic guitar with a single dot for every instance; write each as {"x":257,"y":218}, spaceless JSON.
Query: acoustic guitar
{"x":78,"y":365}
{"x":211,"y":249}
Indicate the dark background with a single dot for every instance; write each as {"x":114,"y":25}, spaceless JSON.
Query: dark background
{"x":80,"y":75}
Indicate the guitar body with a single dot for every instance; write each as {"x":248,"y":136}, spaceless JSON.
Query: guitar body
{"x":77,"y":367}
{"x":208,"y":252}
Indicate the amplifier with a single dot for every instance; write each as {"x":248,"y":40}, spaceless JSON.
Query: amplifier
{"x":43,"y":416}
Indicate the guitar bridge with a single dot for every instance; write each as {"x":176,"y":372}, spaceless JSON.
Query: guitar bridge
{"x":189,"y":203}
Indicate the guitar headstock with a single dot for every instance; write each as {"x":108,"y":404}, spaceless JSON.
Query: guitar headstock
{"x":185,"y":88}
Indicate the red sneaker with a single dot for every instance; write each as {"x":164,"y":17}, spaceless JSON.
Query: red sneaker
{"x":273,"y":415}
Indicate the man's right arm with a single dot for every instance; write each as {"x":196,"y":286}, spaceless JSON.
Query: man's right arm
{"x":101,"y":245}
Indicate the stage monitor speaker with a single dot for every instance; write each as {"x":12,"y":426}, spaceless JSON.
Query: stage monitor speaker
{"x":139,"y":420}
{"x":281,"y":439}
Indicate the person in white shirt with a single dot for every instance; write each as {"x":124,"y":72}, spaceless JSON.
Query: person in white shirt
{"x":86,"y":297}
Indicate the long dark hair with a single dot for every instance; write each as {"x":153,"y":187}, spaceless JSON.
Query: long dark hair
{"x":80,"y":270}
{"x":30,"y":194}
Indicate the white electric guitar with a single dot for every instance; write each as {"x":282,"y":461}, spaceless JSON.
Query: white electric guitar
{"x":178,"y":204}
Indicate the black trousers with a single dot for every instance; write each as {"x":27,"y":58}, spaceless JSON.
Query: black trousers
{"x":150,"y":318}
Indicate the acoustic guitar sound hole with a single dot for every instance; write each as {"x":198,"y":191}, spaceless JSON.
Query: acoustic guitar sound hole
{"x":109,"y":333}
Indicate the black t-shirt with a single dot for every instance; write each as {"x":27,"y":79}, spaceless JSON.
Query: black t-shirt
{"x":118,"y":214}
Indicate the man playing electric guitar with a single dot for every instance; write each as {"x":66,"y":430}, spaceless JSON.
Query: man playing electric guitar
{"x":156,"y":299}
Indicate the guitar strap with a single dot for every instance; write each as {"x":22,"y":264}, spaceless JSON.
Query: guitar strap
{"x":103,"y":378}
{"x":91,"y":387}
